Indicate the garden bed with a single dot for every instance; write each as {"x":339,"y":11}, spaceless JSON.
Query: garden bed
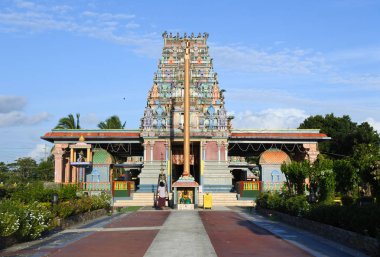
{"x":61,"y":223}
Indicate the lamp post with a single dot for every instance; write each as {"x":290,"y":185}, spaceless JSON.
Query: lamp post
{"x":54,"y":199}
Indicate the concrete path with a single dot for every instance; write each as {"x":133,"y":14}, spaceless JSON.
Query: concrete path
{"x":182,"y":234}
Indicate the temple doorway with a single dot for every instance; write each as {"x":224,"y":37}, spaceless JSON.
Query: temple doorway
{"x":177,"y":160}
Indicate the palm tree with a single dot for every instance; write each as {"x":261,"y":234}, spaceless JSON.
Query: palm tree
{"x":112,"y":122}
{"x":69,"y":122}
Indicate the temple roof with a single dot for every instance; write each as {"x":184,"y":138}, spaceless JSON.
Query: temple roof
{"x":296,"y":134}
{"x":235,"y":136}
{"x":91,"y":135}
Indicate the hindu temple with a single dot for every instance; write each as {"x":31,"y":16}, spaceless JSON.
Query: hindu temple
{"x":232,"y":164}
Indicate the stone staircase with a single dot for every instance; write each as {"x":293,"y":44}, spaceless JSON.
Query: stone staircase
{"x":138,"y":199}
{"x":226,"y":199}
{"x":218,"y":199}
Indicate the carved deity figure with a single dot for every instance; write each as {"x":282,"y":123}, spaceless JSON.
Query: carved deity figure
{"x":148,"y":118}
{"x":154,"y":93}
{"x":215,"y":93}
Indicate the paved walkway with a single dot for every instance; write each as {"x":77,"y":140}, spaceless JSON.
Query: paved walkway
{"x":218,"y":232}
{"x":183,"y":234}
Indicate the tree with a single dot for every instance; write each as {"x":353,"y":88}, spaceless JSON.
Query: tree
{"x":45,"y":170}
{"x":69,"y":122}
{"x":346,"y":177}
{"x":296,"y":173}
{"x":112,"y":122}
{"x":366,"y":159}
{"x":3,"y":167}
{"x":323,"y":178}
{"x":345,"y":134}
{"x":26,"y":168}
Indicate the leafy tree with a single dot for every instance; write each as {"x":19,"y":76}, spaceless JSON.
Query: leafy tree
{"x":45,"y":170}
{"x":3,"y":167}
{"x":26,"y":167}
{"x":325,"y":178}
{"x":112,"y":122}
{"x":296,"y":173}
{"x":340,"y":129}
{"x":346,"y":177}
{"x":69,"y":122}
{"x":365,"y":159}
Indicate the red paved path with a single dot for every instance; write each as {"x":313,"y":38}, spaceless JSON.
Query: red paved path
{"x":232,"y":235}
{"x":109,"y":244}
{"x":141,"y":219}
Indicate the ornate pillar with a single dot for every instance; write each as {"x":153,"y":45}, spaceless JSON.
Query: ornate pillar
{"x":58,"y":153}
{"x":151,"y":144}
{"x":145,"y":146}
{"x":74,"y":172}
{"x":312,"y":151}
{"x":204,"y":150}
{"x":225,"y":151}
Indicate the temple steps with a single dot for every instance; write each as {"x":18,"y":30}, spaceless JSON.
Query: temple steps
{"x":218,"y":199}
{"x":226,"y":199}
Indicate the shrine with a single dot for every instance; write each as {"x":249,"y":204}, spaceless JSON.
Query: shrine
{"x":185,"y":137}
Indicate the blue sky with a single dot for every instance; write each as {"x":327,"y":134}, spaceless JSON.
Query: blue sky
{"x":279,"y":61}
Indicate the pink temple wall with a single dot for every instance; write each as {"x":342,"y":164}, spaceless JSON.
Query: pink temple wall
{"x":222,"y":153}
{"x":211,"y":151}
{"x":147,"y":152}
{"x":159,"y":148}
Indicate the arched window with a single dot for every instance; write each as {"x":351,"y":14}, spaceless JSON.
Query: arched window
{"x":275,"y":176}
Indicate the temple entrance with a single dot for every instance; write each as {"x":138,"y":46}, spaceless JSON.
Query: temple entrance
{"x":177,"y":160}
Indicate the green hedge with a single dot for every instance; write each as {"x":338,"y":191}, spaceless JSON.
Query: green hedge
{"x":26,"y":221}
{"x":294,"y":205}
{"x":361,"y":219}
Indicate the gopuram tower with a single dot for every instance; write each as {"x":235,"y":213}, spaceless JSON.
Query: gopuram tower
{"x":162,"y":127}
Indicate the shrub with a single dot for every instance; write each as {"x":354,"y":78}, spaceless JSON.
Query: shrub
{"x":31,"y":192}
{"x":9,"y":223}
{"x":297,"y":205}
{"x":81,"y":205}
{"x":30,"y":219}
{"x":64,"y":209}
{"x":68,"y":192}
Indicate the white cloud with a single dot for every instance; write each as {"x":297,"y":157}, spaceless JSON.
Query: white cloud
{"x":374,"y":123}
{"x":251,"y":60}
{"x":270,"y":119}
{"x":40,"y":152}
{"x":16,"y":118}
{"x":364,"y":81}
{"x":369,"y":54}
{"x":25,"y":4}
{"x":11,"y":103}
{"x":114,"y":27}
{"x":108,"y":16}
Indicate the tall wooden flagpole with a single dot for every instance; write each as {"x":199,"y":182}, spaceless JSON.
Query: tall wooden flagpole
{"x":186,"y":132}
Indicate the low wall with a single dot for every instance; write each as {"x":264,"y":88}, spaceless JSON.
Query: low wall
{"x":61,"y":224}
{"x":354,"y":240}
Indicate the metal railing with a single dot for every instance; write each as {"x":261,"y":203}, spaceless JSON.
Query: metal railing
{"x":259,"y":186}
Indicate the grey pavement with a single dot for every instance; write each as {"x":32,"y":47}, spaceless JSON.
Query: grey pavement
{"x":311,"y":243}
{"x":182,"y":234}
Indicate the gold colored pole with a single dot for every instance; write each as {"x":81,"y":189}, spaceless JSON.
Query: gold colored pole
{"x":186,"y":132}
